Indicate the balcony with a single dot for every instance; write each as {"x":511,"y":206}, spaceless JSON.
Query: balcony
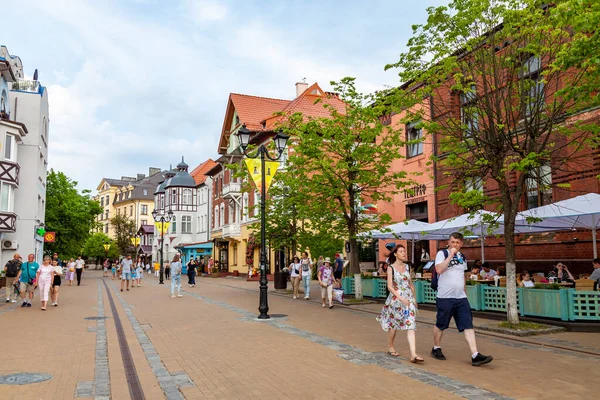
{"x":232,"y":230}
{"x":8,"y":221}
{"x":232,"y":189}
{"x":9,"y":172}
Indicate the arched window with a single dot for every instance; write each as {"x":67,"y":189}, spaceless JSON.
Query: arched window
{"x":216,"y":217}
{"x":245,"y":207}
{"x":222,"y":214}
{"x":187,"y":197}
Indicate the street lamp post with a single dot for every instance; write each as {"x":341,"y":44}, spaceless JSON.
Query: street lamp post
{"x":135,"y":241}
{"x":280,"y":142}
{"x":162,"y":219}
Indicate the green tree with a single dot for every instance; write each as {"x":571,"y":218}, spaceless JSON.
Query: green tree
{"x":524,"y":73}
{"x":125,"y":228}
{"x":94,"y":247}
{"x":72,"y":215}
{"x":342,"y":160}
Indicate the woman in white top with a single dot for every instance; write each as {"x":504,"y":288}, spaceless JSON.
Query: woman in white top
{"x":306,"y":272}
{"x":139,"y":269}
{"x":295,"y":268}
{"x":71,"y":271}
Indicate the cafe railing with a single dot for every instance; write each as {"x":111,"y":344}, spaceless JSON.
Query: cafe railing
{"x":564,"y":304}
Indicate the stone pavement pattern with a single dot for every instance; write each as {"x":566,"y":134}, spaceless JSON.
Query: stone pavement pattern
{"x":208,"y":345}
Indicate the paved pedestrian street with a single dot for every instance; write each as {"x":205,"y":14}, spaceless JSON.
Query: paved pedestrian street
{"x":102,"y":343}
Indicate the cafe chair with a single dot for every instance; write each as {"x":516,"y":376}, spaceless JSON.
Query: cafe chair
{"x":585,"y":284}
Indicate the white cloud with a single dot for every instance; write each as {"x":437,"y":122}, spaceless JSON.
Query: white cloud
{"x":201,"y":11}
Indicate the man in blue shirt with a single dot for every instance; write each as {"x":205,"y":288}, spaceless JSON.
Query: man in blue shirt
{"x":27,"y":280}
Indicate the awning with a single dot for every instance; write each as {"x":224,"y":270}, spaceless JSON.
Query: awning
{"x":206,"y":245}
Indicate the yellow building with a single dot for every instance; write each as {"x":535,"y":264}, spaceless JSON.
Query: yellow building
{"x":128,"y":196}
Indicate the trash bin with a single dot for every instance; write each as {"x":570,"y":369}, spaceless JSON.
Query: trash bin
{"x":280,"y":280}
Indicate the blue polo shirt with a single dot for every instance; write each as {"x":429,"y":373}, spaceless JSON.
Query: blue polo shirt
{"x":28,"y":271}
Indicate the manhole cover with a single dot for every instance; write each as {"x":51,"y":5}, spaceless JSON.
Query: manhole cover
{"x":278,"y":315}
{"x":23,"y":378}
{"x":95,"y":318}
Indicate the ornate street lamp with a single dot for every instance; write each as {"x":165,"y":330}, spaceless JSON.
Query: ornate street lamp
{"x":280,"y":142}
{"x":162,"y":219}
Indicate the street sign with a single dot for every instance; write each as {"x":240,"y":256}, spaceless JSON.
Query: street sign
{"x":106,"y":247}
{"x":50,"y":237}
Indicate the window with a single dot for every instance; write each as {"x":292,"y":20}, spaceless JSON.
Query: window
{"x":10,"y":148}
{"x":539,"y":187}
{"x":131,"y":210}
{"x":145,"y":192}
{"x":128,"y":195}
{"x":174,"y":196}
{"x":124,"y":211}
{"x":174,"y":224}
{"x":231,"y":212}
{"x":222,"y":214}
{"x":216,"y":217}
{"x":144,"y":210}
{"x":162,"y":201}
{"x":415,"y":136}
{"x":106,"y":214}
{"x":6,"y":197}
{"x":102,"y":202}
{"x":245,"y":207}
{"x":533,"y":85}
{"x":144,"y":222}
{"x":118,"y":211}
{"x":235,"y":254}
{"x":106,"y":228}
{"x":3,"y":101}
{"x":107,"y":202}
{"x":468,"y":111}
{"x":187,"y":196}
{"x":186,"y":224}
{"x":474,"y":184}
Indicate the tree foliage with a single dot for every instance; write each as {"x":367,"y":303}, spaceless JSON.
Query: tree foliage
{"x":342,"y":160}
{"x":509,"y":83}
{"x":72,"y":215}
{"x":94,"y":246}
{"x":125,"y":228}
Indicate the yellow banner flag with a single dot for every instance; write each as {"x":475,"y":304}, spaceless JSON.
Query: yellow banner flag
{"x":162,"y":227}
{"x":254,"y":168}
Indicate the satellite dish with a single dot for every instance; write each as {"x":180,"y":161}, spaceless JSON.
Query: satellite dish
{"x":35,"y":75}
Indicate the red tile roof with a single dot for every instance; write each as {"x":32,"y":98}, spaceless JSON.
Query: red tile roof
{"x":200,"y":170}
{"x":252,"y":110}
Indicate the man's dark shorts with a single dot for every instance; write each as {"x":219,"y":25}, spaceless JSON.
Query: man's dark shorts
{"x":460,"y":309}
{"x":337,"y":274}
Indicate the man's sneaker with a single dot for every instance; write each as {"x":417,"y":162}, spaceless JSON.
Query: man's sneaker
{"x":172,"y":296}
{"x":28,"y":304}
{"x":179,"y":295}
{"x":8,"y":300}
{"x":24,"y":304}
{"x":13,"y":301}
{"x":481,"y":359}
{"x":437,"y":354}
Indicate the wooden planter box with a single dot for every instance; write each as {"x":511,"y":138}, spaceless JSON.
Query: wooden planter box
{"x":2,"y":282}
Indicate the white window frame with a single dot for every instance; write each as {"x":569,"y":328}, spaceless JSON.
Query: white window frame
{"x":186,"y":224}
{"x":414,"y":149}
{"x":187,"y":198}
{"x":7,"y":205}
{"x":10,"y":145}
{"x":174,"y":225}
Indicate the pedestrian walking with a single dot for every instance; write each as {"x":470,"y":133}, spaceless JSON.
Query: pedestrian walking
{"x":191,"y":272}
{"x":126,"y":265}
{"x":11,"y":271}
{"x":338,"y":269}
{"x":175,"y":268}
{"x":306,"y":275}
{"x":148,"y":269}
{"x":294,"y":270}
{"x":325,"y":276}
{"x":44,"y":277}
{"x":133,"y":275}
{"x":211,"y":265}
{"x":105,"y":268}
{"x":113,"y":269}
{"x":79,"y":265}
{"x":139,"y":271}
{"x":156,"y":269}
{"x":71,"y":271}
{"x":27,"y":280}
{"x":56,"y":282}
{"x":400,"y":309}
{"x":450,"y":265}
{"x":167,"y":271}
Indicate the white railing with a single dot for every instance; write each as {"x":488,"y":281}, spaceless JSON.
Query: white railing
{"x":232,"y":187}
{"x":232,"y":230}
{"x":26,"y":85}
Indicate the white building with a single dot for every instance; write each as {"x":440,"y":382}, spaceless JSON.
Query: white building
{"x":23,"y":159}
{"x":188,"y":197}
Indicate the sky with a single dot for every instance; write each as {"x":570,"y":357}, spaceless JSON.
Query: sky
{"x":134,"y":84}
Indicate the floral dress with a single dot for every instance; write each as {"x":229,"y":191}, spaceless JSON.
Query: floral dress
{"x":395,"y":315}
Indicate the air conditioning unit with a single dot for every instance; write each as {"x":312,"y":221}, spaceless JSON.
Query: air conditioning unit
{"x":10,"y":244}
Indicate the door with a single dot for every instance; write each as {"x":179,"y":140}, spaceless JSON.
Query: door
{"x":224,"y":259}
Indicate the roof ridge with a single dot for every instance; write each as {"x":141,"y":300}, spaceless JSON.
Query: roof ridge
{"x":259,"y":97}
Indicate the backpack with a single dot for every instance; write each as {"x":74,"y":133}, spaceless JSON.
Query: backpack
{"x":12,"y":268}
{"x":435,"y":275}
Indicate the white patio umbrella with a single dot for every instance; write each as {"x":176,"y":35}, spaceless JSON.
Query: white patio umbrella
{"x":473,"y":225}
{"x":581,"y":212}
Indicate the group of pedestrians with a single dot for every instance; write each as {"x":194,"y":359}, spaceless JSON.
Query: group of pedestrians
{"x":329,"y":276}
{"x":400,"y":309}
{"x":23,"y":278}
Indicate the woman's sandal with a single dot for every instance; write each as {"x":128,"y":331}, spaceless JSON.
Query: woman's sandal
{"x":416,"y":360}
{"x":393,"y":353}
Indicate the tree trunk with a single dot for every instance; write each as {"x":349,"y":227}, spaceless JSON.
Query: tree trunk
{"x":358,"y":287}
{"x":512,"y":307}
{"x":354,"y":267}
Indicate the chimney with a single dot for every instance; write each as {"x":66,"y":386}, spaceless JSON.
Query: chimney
{"x":301,"y":87}
{"x":140,"y":176}
{"x":153,"y":170}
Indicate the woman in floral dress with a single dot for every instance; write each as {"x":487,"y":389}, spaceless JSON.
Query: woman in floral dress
{"x":400,"y":308}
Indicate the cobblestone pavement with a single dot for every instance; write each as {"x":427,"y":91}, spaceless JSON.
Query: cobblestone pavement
{"x":209,"y":345}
